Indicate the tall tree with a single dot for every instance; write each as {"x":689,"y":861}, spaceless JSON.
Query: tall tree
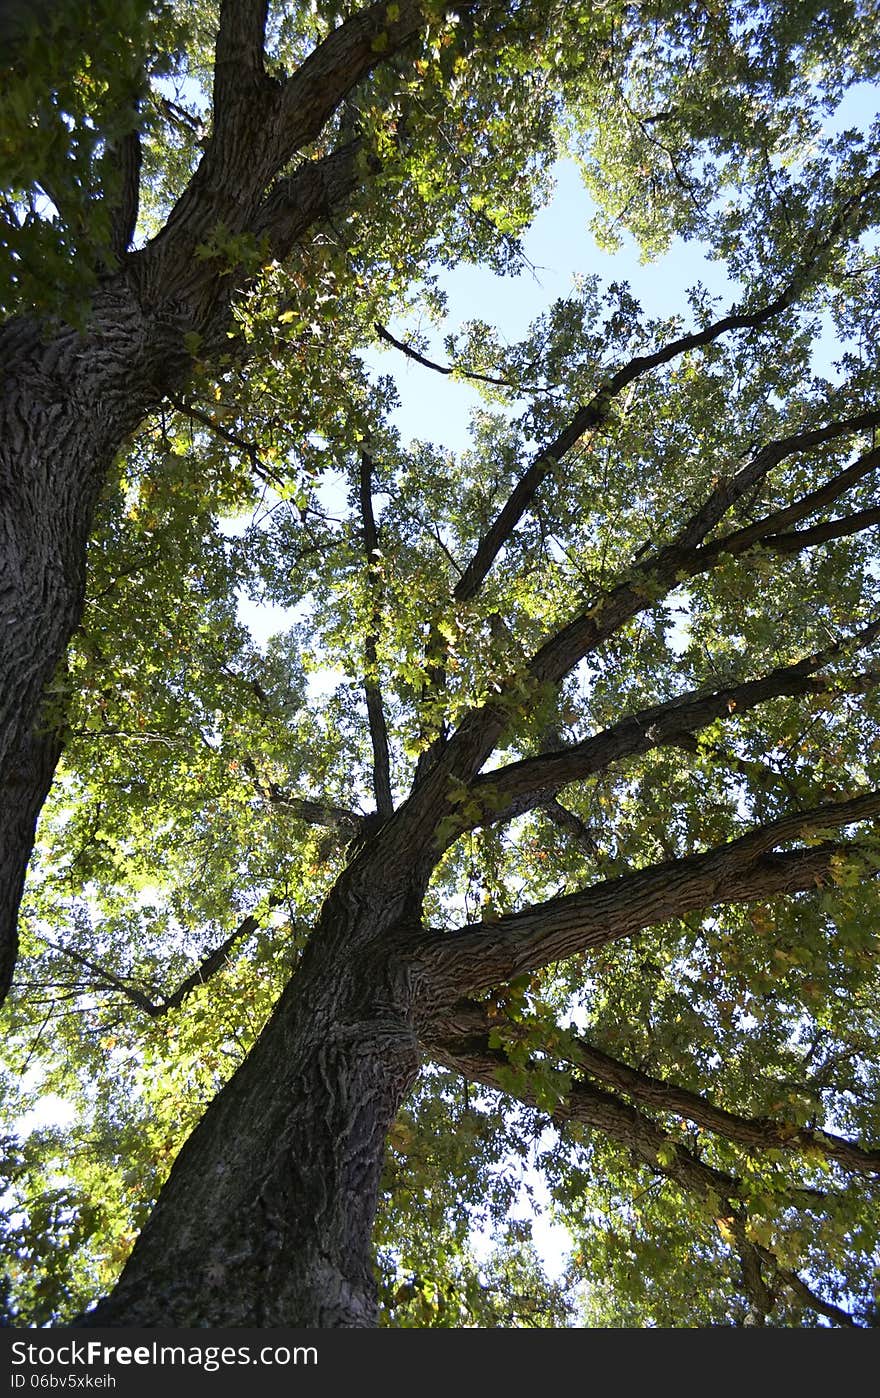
{"x":539,"y":839}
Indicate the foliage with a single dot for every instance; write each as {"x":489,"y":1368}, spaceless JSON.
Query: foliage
{"x":213,"y":789}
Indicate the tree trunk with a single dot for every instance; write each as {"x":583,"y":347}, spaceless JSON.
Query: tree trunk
{"x":267,"y":1216}
{"x":67,"y":405}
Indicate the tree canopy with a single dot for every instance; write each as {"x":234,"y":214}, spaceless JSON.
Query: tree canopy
{"x":546,"y":834}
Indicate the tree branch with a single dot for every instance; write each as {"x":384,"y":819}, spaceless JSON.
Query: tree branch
{"x":316,"y":812}
{"x":448,"y":369}
{"x":296,"y":202}
{"x":238,"y":49}
{"x":759,"y":1133}
{"x":683,"y":558}
{"x":808,"y":504}
{"x":259,"y":467}
{"x":520,"y":786}
{"x":469,"y":1020}
{"x":213,"y":962}
{"x":310,"y":809}
{"x":823,"y":533}
{"x":744,"y":870}
{"x":372,"y":691}
{"x":661,"y":1153}
{"x":124,"y":213}
{"x":567,"y":820}
{"x":368,"y":38}
{"x":594,"y":413}
{"x":729,"y":491}
{"x":108,"y":978}
{"x":806,"y":1294}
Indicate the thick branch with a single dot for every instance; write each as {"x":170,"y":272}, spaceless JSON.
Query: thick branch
{"x":469,"y":1021}
{"x":123,"y":215}
{"x":661,"y":1153}
{"x":683,"y":558}
{"x":823,"y":533}
{"x":808,"y":504}
{"x":312,"y":193}
{"x":238,"y":50}
{"x":745,"y":870}
{"x":759,"y":1133}
{"x":523,"y":785}
{"x":259,"y":127}
{"x":348,"y":54}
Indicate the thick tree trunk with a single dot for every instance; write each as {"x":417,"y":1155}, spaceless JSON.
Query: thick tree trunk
{"x":267,"y":1216}
{"x":68,"y":401}
{"x":67,"y":405}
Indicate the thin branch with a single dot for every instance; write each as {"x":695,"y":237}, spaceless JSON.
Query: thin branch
{"x":372,"y":690}
{"x":729,"y":491}
{"x":572,"y":824}
{"x":107,"y":978}
{"x":180,"y":117}
{"x":451,"y":369}
{"x":806,"y":1294}
{"x":808,"y":504}
{"x":249,"y":448}
{"x":213,"y":962}
{"x":310,"y":809}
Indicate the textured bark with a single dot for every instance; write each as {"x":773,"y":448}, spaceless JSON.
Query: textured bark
{"x":71,"y":397}
{"x":267,"y":1215}
{"x":67,"y":405}
{"x":266,"y":1219}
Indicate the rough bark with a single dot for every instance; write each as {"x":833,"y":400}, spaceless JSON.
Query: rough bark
{"x":67,"y":405}
{"x":267,"y":1217}
{"x":70,"y":398}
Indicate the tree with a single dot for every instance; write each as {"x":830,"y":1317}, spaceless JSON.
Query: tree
{"x":537,"y":840}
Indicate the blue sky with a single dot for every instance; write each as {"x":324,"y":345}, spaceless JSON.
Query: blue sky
{"x":560,"y":246}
